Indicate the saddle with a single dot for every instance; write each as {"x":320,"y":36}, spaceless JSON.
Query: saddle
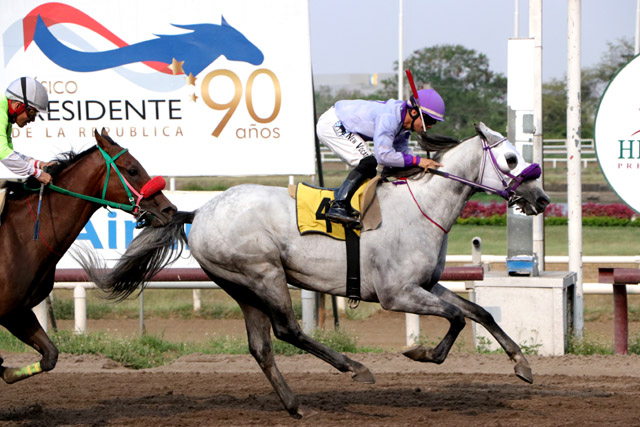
{"x":312,"y":203}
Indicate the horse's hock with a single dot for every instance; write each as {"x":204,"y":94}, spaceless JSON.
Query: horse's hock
{"x":536,"y":311}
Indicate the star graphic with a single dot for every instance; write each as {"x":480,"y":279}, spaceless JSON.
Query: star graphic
{"x":191,"y":80}
{"x":176,"y":66}
{"x":193,"y":97}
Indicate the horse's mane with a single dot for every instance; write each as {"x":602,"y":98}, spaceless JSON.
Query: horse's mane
{"x":19,"y":190}
{"x":439,"y":144}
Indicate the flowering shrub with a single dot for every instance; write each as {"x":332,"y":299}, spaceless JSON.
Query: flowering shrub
{"x":484,"y":210}
{"x":593,"y":214}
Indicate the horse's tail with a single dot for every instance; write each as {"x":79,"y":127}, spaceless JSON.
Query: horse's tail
{"x":152,"y":250}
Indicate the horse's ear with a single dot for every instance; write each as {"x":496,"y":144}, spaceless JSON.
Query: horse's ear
{"x":102,"y":138}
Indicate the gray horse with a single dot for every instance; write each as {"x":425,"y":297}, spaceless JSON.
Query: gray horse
{"x":247,"y":241}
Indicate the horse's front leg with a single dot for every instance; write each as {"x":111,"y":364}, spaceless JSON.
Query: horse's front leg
{"x":25,"y":326}
{"x":483,"y":317}
{"x":414,"y":299}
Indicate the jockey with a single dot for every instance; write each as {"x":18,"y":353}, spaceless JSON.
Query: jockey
{"x":21,"y":103}
{"x":347,"y":126}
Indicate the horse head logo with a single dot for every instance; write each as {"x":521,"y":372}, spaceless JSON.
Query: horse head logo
{"x":194,"y":50}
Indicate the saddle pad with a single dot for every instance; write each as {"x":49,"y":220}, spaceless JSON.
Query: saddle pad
{"x":312,"y":204}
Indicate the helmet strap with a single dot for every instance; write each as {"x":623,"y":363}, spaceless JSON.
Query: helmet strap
{"x":414,"y":118}
{"x":14,"y":113}
{"x":23,"y":83}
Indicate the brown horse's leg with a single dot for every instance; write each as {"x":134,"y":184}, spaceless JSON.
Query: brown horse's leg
{"x":484,"y":318}
{"x":24,"y":325}
{"x":259,"y":334}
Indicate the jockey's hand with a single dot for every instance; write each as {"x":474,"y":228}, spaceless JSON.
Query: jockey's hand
{"x":428,"y":163}
{"x":43,"y":165}
{"x":45,"y":178}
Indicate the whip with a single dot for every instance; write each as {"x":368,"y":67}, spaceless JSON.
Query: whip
{"x":36,"y":229}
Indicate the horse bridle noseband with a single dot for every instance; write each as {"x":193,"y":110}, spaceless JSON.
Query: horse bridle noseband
{"x":508,"y":191}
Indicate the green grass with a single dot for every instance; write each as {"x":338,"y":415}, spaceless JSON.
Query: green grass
{"x":150,"y":351}
{"x":596,"y":241}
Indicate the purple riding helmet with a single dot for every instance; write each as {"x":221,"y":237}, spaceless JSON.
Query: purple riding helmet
{"x":431,"y":104}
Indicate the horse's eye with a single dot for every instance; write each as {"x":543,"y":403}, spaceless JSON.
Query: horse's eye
{"x":132,"y":171}
{"x":512,"y":160}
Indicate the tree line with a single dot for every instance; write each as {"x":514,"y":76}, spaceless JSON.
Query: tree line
{"x":473,"y":92}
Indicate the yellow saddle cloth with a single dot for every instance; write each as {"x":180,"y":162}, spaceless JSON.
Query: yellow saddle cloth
{"x":312,"y":204}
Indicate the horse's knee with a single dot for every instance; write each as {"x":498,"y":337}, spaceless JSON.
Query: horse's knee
{"x":287,"y":334}
{"x":49,"y":360}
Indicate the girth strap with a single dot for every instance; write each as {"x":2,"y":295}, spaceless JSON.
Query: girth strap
{"x":353,"y":266}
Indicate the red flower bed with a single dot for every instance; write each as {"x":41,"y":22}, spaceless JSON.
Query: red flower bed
{"x":486,"y":210}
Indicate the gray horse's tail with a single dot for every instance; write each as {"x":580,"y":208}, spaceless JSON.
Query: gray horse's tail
{"x":152,"y":250}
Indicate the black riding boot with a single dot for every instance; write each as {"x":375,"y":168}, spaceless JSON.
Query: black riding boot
{"x":340,"y":210}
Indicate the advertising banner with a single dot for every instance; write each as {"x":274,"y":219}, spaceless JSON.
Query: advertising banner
{"x":617,"y":134}
{"x":191,"y":88}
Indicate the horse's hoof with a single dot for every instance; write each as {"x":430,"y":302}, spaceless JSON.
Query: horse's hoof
{"x":302,"y":412}
{"x":362,"y":374}
{"x":524,"y":372}
{"x":419,"y":354}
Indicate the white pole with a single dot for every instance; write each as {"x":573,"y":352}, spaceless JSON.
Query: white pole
{"x":400,"y":58}
{"x":574,"y":178}
{"x":80,"y":310}
{"x":516,"y":20}
{"x":535,"y":32}
{"x":197,"y":300}
{"x":308,"y":311}
{"x":40,"y":311}
{"x":637,"y":49}
{"x":412,"y":321}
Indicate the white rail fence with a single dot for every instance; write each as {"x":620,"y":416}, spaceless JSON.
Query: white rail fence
{"x":80,"y":288}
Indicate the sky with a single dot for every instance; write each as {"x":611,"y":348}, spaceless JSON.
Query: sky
{"x":361,"y":36}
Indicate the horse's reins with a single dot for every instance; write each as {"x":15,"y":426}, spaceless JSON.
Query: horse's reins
{"x":149,"y":189}
{"x":533,"y":171}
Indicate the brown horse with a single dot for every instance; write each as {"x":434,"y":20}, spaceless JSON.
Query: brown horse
{"x":104,"y":175}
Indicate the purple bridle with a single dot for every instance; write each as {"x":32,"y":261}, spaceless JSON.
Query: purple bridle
{"x":533,"y":171}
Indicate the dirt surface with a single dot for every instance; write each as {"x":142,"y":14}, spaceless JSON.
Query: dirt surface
{"x":203,"y":390}
{"x":199,"y":390}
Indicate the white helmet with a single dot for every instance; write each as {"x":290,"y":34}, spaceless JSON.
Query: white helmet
{"x":30,"y":92}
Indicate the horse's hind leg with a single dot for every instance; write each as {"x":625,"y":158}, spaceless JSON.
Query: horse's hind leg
{"x":272,"y":296}
{"x":24,"y":325}
{"x":259,"y":334}
{"x":483,"y":317}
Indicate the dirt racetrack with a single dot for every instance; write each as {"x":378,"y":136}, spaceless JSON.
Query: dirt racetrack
{"x":205,"y":390}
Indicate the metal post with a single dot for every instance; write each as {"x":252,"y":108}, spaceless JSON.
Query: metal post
{"x":80,"y":310}
{"x":400,"y":58}
{"x":141,"y":314}
{"x":516,"y":21}
{"x":535,"y":32}
{"x":40,"y":311}
{"x":476,"y":251}
{"x":197,"y":300}
{"x":620,"y":319}
{"x":412,"y":325}
{"x":308,"y":311}
{"x":637,"y":49}
{"x":574,"y":178}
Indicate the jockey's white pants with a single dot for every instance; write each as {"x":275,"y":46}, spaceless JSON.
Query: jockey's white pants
{"x":350,"y":147}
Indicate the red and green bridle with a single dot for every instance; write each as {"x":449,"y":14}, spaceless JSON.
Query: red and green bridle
{"x":152,"y":187}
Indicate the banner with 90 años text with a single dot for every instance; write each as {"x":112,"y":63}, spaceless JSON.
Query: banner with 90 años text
{"x":192,"y":88}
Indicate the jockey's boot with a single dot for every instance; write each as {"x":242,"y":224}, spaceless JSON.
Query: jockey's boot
{"x":340,"y":209}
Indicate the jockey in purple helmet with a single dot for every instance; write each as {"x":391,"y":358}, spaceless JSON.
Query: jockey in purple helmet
{"x":347,"y":126}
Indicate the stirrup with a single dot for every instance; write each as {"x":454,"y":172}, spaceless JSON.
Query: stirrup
{"x":344,"y":218}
